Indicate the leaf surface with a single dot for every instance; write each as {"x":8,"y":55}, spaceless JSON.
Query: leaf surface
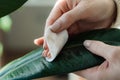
{"x":73,"y":57}
{"x":8,"y":6}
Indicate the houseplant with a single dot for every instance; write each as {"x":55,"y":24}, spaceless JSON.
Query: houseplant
{"x":73,"y":56}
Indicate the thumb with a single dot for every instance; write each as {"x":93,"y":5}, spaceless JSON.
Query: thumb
{"x":39,"y":41}
{"x":100,"y":49}
{"x":67,"y":19}
{"x":87,"y":73}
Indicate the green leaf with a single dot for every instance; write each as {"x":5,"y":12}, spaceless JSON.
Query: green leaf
{"x":1,"y":49}
{"x":5,"y":23}
{"x":8,"y":6}
{"x":73,"y":57}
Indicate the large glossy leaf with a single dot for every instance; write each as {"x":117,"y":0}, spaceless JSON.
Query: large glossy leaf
{"x":73,"y":57}
{"x":8,"y":6}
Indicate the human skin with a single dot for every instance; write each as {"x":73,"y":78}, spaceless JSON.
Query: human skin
{"x":83,"y":15}
{"x":78,"y":16}
{"x":109,"y":69}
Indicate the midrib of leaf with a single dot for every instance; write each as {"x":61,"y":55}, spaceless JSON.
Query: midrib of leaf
{"x":22,"y":61}
{"x":35,"y":57}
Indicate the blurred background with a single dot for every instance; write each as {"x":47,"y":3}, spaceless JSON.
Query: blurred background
{"x":27,"y":24}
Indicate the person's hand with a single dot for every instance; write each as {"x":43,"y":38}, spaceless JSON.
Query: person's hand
{"x":79,"y":16}
{"x":109,"y":69}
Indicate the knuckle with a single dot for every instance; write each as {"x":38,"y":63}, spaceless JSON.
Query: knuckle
{"x":95,"y":44}
{"x":49,"y":21}
{"x":67,"y":17}
{"x":59,"y":23}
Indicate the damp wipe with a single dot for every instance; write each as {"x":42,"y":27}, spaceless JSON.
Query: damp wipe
{"x":55,"y":42}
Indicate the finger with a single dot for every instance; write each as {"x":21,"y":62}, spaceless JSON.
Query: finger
{"x":100,"y":48}
{"x":45,"y":46}
{"x":74,"y":29}
{"x":39,"y":41}
{"x":87,"y":73}
{"x":64,"y":21}
{"x":56,"y":12}
{"x":70,"y":17}
{"x":48,"y":55}
{"x":45,"y":53}
{"x":97,"y":72}
{"x":73,"y":76}
{"x":103,"y":66}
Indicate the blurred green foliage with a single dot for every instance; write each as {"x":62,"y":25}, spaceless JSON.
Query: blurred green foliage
{"x":5,"y":25}
{"x":7,"y":7}
{"x":1,"y":48}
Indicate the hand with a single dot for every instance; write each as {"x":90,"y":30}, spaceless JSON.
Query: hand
{"x":79,"y":16}
{"x":110,"y":68}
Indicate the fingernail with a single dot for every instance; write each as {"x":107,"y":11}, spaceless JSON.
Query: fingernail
{"x":35,"y":41}
{"x":44,"y":46}
{"x":54,"y":28}
{"x":43,"y":54}
{"x":49,"y":55}
{"x":87,"y":43}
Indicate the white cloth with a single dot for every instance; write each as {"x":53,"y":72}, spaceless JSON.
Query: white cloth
{"x":55,"y":42}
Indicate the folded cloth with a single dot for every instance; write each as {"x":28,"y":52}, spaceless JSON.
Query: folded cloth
{"x":55,"y":42}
